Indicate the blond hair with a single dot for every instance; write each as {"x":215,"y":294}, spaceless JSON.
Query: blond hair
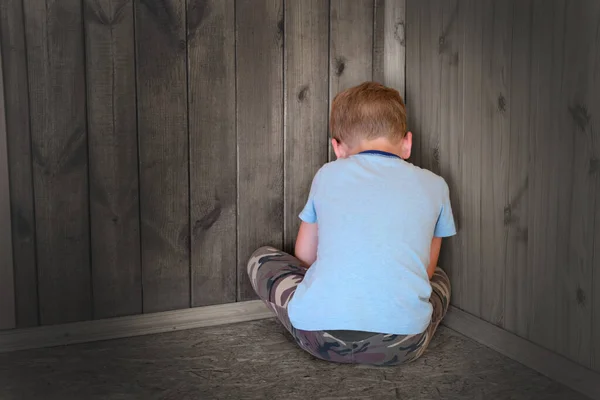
{"x":368,"y":111}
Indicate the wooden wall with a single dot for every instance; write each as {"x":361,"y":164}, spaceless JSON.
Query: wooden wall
{"x":504,"y":100}
{"x":154,"y":144}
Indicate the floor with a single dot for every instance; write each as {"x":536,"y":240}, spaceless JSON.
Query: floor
{"x":256,"y":360}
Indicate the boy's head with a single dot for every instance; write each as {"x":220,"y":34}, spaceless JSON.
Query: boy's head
{"x":369,"y":116}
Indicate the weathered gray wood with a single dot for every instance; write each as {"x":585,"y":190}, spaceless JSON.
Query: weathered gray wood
{"x":576,"y":109}
{"x":12,"y":38}
{"x":471,"y":15}
{"x":451,"y":139}
{"x":519,"y":278}
{"x":548,"y":23}
{"x":132,"y":325}
{"x":413,"y":76}
{"x":113,"y":170}
{"x":306,"y":104}
{"x":389,"y":51}
{"x":7,"y":282}
{"x":211,"y":72}
{"x":525,"y":352}
{"x":160,"y":34}
{"x":429,"y":64}
{"x":55,"y":55}
{"x":497,"y":42}
{"x":350,"y":46}
{"x":595,"y":170}
{"x":259,"y":56}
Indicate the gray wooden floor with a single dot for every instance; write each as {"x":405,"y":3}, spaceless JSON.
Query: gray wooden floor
{"x":256,"y":360}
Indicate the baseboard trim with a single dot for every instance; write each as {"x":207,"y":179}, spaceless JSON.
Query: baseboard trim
{"x":136,"y":325}
{"x":525,"y":352}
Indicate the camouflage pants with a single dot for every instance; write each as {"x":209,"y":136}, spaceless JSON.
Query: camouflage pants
{"x":275,"y":276}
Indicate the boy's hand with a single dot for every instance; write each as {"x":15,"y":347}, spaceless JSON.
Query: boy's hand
{"x":306,"y":243}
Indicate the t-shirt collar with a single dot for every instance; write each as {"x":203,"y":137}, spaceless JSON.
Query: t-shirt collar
{"x":380,"y":153}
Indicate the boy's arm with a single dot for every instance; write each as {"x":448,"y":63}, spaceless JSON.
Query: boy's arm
{"x":306,"y":243}
{"x":436,"y":245}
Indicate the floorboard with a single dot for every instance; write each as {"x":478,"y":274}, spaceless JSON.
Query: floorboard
{"x":257,"y":360}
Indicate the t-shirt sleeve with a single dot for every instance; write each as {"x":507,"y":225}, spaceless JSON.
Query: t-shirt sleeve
{"x":309,"y":212}
{"x":445,"y":224}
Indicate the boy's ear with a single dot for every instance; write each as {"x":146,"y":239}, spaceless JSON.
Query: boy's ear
{"x":339,"y":149}
{"x":407,"y":145}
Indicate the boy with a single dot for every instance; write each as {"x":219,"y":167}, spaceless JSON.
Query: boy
{"x":364,"y":287}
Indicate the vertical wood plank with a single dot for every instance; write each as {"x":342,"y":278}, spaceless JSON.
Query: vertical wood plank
{"x":114,"y":186}
{"x":12,"y":38}
{"x":517,"y":297}
{"x":55,"y":54}
{"x":7,"y":282}
{"x":451,"y":140}
{"x":595,"y":170}
{"x":163,"y":150}
{"x":577,"y":112}
{"x":497,"y":41}
{"x":389,"y":52}
{"x":306,"y":104}
{"x":546,"y":51}
{"x":351,"y":46}
{"x":430,"y":74}
{"x":211,"y":71}
{"x":259,"y":62}
{"x":471,"y":167}
{"x":413,"y":76}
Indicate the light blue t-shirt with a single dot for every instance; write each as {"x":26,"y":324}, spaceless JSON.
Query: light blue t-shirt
{"x":376,"y":215}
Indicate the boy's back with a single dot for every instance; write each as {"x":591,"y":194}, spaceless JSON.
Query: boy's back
{"x":363,"y":285}
{"x":376,"y":216}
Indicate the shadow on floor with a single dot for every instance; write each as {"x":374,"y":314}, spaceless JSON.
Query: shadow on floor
{"x":257,"y":360}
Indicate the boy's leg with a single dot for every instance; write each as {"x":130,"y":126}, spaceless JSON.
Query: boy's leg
{"x":274,"y":276}
{"x":440,"y":300}
{"x":440,"y":295}
{"x":400,"y":349}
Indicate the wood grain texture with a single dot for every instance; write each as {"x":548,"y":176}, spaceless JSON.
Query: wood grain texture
{"x":12,"y":40}
{"x":132,"y":325}
{"x":55,"y":55}
{"x":548,"y":24}
{"x":451,"y":139}
{"x":350,"y":46}
{"x":413,"y":76}
{"x":497,"y":42}
{"x":471,"y":16}
{"x":529,"y":354}
{"x":429,"y":64}
{"x":163,"y":150}
{"x":211,"y":71}
{"x":7,"y":282}
{"x":306,"y":105}
{"x":576,"y":107}
{"x":259,"y":63}
{"x":389,"y":48}
{"x":113,"y":160}
{"x":595,"y":170}
{"x":519,"y":275}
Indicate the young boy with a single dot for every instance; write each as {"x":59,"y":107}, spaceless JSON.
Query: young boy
{"x":364,"y":287}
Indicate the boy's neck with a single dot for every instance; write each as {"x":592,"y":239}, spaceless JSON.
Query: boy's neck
{"x":380,"y":144}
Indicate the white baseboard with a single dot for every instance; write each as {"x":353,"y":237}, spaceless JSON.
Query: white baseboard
{"x":136,"y":325}
{"x":527,"y":353}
